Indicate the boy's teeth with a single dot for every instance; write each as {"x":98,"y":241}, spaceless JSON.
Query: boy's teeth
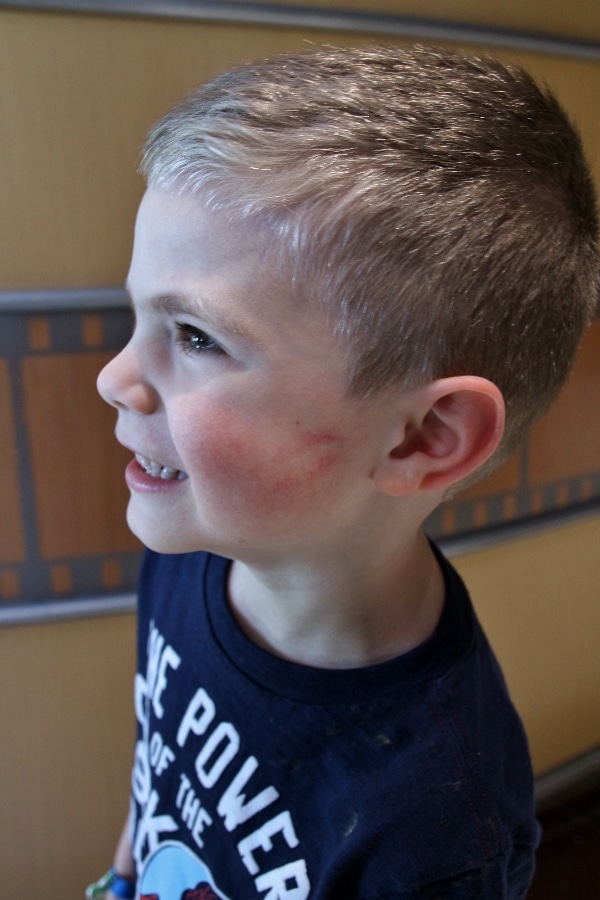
{"x":157,"y":471}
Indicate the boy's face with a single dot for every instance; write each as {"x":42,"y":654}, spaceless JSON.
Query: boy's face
{"x":232,"y":397}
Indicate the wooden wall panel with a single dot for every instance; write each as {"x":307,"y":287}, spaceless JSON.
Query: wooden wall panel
{"x":580,"y":20}
{"x":80,"y":508}
{"x":537,"y":599}
{"x":566,"y":443}
{"x":65,"y":755}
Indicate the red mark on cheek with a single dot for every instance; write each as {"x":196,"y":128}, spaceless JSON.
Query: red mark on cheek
{"x":308,"y":461}
{"x":263,"y":468}
{"x":301,"y":476}
{"x":325,"y":438}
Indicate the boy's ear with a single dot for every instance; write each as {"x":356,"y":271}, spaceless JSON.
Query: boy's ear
{"x":450,"y":427}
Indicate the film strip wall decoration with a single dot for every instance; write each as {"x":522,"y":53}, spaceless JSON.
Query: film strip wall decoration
{"x":63,"y":498}
{"x":62,"y":495}
{"x":556,"y":473}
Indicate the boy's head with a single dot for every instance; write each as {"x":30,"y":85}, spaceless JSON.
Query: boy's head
{"x":437,"y":207}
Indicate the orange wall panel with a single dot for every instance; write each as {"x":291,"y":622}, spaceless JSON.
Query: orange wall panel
{"x":566,"y":442}
{"x":77,"y":466}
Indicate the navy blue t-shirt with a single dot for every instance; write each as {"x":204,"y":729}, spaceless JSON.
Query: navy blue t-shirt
{"x":255,"y":777}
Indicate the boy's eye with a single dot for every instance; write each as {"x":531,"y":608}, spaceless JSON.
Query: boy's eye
{"x":194,"y":340}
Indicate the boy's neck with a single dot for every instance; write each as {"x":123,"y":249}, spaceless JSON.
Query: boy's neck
{"x":358,"y":613}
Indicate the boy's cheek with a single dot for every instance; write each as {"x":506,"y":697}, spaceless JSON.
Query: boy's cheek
{"x":264,"y":468}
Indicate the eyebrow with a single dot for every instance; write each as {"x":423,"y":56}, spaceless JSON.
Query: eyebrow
{"x":183,"y":304}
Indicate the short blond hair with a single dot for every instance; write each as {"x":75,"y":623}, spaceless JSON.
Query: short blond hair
{"x":438,"y":205}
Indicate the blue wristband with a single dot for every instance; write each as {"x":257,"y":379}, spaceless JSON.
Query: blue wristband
{"x":121,"y":887}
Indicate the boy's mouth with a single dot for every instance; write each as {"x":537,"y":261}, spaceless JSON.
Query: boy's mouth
{"x":157,"y":470}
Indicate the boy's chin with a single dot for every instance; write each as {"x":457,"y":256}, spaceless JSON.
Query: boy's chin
{"x":157,"y":539}
{"x":161,"y":539}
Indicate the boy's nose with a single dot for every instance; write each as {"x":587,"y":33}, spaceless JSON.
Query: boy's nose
{"x":122,"y":385}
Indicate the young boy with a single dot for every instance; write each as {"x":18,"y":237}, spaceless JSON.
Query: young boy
{"x":358,"y":276}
